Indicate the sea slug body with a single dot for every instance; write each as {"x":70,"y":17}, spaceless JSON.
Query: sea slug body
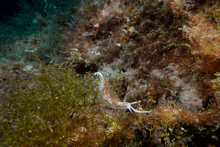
{"x":110,"y":100}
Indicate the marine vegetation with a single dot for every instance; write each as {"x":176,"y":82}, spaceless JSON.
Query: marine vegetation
{"x":161,"y":55}
{"x":55,"y":106}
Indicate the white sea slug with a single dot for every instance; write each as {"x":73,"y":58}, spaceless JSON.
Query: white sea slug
{"x":110,"y":100}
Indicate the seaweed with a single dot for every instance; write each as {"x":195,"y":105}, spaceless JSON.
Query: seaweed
{"x":48,"y":108}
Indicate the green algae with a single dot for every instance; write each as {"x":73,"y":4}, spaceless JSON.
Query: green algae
{"x":38,"y":111}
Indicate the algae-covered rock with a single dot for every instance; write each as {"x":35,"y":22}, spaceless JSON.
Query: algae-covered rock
{"x":46,"y":108}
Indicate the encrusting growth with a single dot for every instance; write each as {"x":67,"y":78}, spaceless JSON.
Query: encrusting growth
{"x":110,"y":100}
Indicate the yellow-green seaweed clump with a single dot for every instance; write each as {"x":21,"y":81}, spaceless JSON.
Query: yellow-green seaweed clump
{"x":48,"y":109}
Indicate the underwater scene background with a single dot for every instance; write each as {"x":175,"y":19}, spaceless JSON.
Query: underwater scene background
{"x":162,"y":54}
